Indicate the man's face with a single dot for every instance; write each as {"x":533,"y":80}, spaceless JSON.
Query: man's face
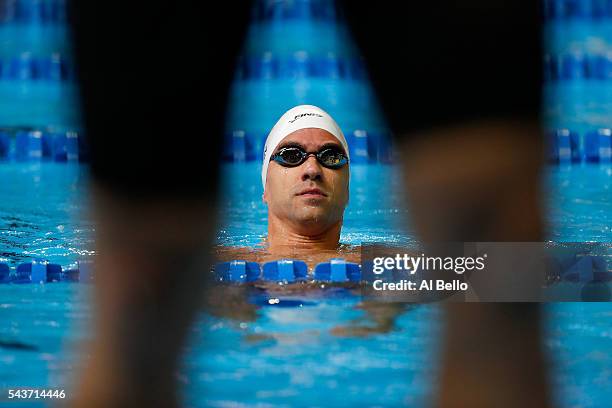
{"x":309,"y":196}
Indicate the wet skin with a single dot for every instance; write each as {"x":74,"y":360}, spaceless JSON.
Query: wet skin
{"x":305,"y":209}
{"x":305,"y":203}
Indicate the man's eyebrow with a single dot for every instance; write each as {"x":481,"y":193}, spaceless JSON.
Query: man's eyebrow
{"x":332,"y":144}
{"x":290,"y":144}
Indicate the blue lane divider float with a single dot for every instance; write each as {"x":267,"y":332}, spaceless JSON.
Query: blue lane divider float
{"x":41,"y":271}
{"x":566,"y":146}
{"x":300,"y":64}
{"x":304,"y":10}
{"x":238,"y":271}
{"x":36,"y":145}
{"x":358,"y":144}
{"x":370,"y":147}
{"x":20,"y":68}
{"x":34,"y":272}
{"x":33,"y":12}
{"x":241,"y":146}
{"x":598,"y":146}
{"x":27,"y":67}
{"x":577,"y":9}
{"x":579,"y":268}
{"x":572,"y":67}
{"x":266,"y":66}
{"x":5,"y":272}
{"x":575,"y":66}
{"x":297,"y":66}
{"x":28,"y":11}
{"x":28,"y":145}
{"x":81,"y":272}
{"x":365,"y":146}
{"x":337,"y":270}
{"x":5,"y":144}
{"x":287,"y":270}
{"x":587,"y":269}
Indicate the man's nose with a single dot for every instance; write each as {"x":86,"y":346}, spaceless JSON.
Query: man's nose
{"x":312,"y":169}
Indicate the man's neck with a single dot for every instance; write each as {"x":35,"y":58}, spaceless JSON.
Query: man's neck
{"x":284,"y":238}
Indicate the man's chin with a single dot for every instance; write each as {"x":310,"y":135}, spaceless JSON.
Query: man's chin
{"x":317,"y":217}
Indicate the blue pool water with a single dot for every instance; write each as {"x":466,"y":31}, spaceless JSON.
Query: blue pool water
{"x":43,"y":212}
{"x":288,"y":356}
{"x":285,"y":356}
{"x":579,"y":203}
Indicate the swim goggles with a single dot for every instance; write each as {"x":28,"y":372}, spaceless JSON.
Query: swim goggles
{"x":293,"y":156}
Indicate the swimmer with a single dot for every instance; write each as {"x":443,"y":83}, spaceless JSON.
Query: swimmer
{"x":305,"y":176}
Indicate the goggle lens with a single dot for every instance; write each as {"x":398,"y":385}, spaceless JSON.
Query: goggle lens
{"x":292,"y":156}
{"x":330,"y":157}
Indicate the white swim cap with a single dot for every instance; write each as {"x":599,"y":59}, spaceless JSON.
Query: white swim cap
{"x":299,"y":117}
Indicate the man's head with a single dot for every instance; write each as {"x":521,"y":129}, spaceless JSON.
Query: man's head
{"x":307,"y":192}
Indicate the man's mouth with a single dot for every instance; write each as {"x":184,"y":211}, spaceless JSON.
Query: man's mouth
{"x":312,"y":192}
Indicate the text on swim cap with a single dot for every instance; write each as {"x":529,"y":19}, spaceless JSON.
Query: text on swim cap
{"x":301,"y":115}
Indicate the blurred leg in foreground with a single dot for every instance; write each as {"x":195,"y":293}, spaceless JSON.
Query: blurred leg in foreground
{"x":460,"y":85}
{"x":154,"y":79}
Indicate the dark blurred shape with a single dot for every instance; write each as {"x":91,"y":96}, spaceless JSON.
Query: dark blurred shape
{"x":460,"y":83}
{"x":154,"y":78}
{"x":17,"y":345}
{"x":442,"y":62}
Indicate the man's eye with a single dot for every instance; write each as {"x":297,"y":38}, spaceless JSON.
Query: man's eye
{"x":332,"y":157}
{"x":291,"y":156}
